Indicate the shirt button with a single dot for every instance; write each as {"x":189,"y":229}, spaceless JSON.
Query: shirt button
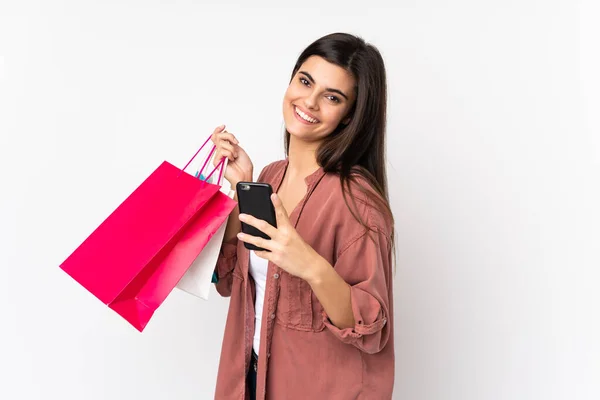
{"x":272,"y":316}
{"x":268,"y":355}
{"x":384,"y":321}
{"x":276,"y":276}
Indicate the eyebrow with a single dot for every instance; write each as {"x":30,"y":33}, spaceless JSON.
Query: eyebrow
{"x":311,"y":79}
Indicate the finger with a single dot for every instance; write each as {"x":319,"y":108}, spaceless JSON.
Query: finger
{"x":226,"y":146}
{"x":265,"y":255}
{"x":255,"y":240}
{"x":224,"y":149}
{"x":217,"y":130}
{"x":224,"y":153}
{"x":227,"y":136}
{"x":259,"y":224}
{"x":280,"y":212}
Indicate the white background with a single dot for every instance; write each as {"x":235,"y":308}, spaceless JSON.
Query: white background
{"x":494,"y":172}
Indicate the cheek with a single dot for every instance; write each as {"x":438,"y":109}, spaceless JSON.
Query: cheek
{"x":287,"y":99}
{"x":291,"y":93}
{"x":333,"y":115}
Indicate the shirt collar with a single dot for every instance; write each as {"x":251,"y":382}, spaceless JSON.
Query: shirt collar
{"x":310,"y":180}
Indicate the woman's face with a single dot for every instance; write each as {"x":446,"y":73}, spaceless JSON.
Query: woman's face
{"x":318,"y":98}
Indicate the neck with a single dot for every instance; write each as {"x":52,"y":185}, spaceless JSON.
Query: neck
{"x":302,"y":157}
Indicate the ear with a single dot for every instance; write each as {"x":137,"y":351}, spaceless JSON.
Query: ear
{"x":346,"y":120}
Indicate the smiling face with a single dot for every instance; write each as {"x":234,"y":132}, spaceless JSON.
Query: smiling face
{"x":318,"y":99}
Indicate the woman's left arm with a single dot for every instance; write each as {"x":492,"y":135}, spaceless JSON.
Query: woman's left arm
{"x":355,"y":313}
{"x":333,"y":293}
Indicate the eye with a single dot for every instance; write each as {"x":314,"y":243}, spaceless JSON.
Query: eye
{"x":304,"y":81}
{"x":333,"y":98}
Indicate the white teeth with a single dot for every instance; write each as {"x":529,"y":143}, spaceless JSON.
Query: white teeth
{"x":304,"y":116}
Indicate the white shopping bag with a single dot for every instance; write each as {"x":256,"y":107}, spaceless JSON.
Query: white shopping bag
{"x":197,"y":279}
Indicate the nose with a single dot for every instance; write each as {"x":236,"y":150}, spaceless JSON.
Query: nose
{"x":311,"y":102}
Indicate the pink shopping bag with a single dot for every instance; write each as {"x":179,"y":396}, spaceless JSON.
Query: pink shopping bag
{"x":135,"y":258}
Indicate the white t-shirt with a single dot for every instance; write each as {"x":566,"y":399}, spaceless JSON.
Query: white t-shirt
{"x":258,"y":270}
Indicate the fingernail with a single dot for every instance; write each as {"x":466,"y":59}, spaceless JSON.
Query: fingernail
{"x":239,"y":235}
{"x":242,"y":217}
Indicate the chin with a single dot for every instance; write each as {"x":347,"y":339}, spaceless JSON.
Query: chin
{"x":298,"y":133}
{"x":305,"y":136}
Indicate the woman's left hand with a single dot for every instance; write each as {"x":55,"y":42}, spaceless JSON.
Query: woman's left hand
{"x":287,"y":249}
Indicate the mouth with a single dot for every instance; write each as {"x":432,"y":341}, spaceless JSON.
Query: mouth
{"x":304,"y":117}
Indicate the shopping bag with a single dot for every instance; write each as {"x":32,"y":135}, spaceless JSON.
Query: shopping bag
{"x":134,"y":259}
{"x":198,"y":278}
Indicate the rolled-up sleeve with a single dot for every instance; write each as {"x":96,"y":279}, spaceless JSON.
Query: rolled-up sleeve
{"x":225,"y":265}
{"x":365,"y":264}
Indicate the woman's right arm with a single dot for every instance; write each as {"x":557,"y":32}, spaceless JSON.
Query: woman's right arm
{"x":228,"y":253}
{"x":239,"y":168}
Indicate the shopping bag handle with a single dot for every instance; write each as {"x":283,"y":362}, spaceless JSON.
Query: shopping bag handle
{"x":195,"y":155}
{"x":224,"y":160}
{"x":221,"y":165}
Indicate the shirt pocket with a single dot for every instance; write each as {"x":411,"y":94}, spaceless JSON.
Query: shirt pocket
{"x":298,"y":299}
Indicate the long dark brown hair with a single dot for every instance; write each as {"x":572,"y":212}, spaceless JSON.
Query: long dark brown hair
{"x":357,"y":149}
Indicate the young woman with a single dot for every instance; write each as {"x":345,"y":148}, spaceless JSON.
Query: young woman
{"x":313,"y":318}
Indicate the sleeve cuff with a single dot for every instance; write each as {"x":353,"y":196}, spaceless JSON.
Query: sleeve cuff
{"x":226,"y":260}
{"x":368,"y":316}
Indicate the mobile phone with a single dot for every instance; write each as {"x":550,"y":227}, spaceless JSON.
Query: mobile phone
{"x":255,"y":199}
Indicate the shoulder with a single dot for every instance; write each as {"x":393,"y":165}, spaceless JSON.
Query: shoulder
{"x":357,"y":197}
{"x":270,"y":171}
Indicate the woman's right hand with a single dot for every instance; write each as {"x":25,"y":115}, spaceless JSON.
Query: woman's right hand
{"x":240,"y":166}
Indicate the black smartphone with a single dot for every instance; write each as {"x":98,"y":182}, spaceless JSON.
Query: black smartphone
{"x":255,"y":199}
